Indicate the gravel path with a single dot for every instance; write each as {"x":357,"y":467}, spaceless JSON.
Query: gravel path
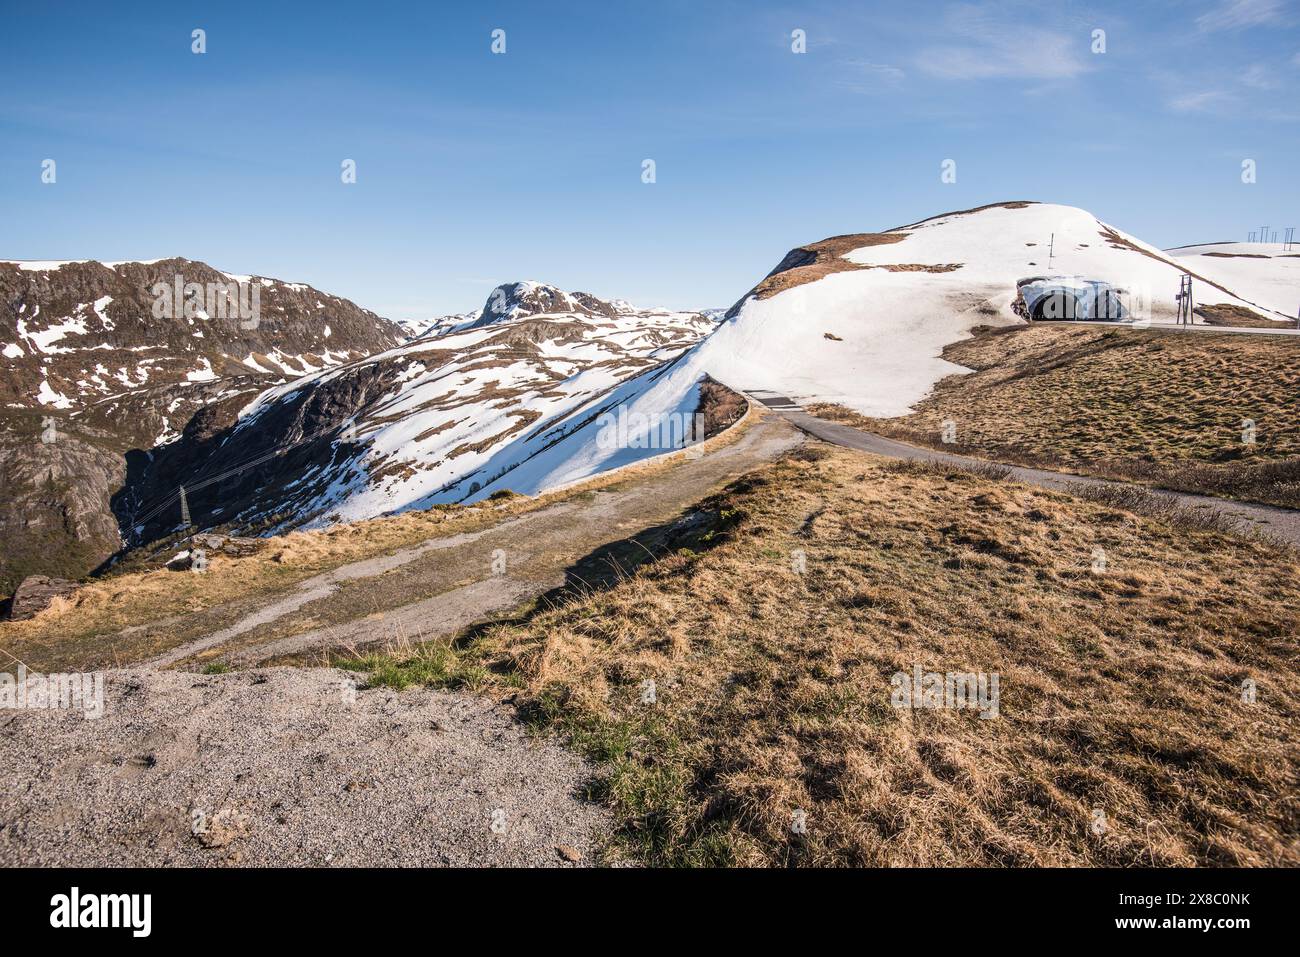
{"x":323,"y":586}
{"x":287,"y":766}
{"x":443,"y":585}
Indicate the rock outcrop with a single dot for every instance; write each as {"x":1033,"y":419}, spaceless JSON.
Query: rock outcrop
{"x":35,"y":593}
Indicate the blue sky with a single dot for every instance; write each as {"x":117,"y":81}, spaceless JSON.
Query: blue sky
{"x":475,"y":168}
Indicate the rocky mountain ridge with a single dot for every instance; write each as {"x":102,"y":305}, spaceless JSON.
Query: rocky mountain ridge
{"x":100,"y":363}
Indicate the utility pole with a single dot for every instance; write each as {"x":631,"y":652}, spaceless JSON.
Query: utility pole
{"x":1184,"y":299}
{"x":185,"y":509}
{"x":1290,"y":238}
{"x":1051,"y":248}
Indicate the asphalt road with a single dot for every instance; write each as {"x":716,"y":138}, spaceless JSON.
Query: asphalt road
{"x":1281,"y":523}
{"x":1171,"y":326}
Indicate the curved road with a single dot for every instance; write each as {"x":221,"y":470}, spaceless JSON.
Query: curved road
{"x":1280,"y":523}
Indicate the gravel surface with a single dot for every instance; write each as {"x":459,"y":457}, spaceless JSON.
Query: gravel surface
{"x":286,"y":766}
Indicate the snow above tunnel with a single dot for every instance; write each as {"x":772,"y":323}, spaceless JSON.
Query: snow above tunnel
{"x":891,"y":319}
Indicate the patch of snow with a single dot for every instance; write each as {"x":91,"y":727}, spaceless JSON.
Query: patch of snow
{"x":202,"y":375}
{"x":43,"y":340}
{"x":47,"y":396}
{"x":100,"y":305}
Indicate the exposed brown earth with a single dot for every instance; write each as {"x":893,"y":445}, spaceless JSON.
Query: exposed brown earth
{"x":720,"y":406}
{"x":917,"y":267}
{"x":805,"y":264}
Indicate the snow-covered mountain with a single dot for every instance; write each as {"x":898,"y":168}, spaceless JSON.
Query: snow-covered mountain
{"x":437,"y":419}
{"x":862,"y":319}
{"x":1267,"y":274}
{"x":435,"y":325}
{"x":530,"y":298}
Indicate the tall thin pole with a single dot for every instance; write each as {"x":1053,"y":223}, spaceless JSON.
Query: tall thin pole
{"x":185,"y":509}
{"x":1185,"y":300}
{"x":1051,"y":248}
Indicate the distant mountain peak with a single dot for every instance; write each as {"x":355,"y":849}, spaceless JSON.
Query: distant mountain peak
{"x":517,"y":300}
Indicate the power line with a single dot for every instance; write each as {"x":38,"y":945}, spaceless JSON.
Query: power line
{"x":165,"y":503}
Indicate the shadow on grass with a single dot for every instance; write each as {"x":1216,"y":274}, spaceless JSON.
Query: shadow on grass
{"x":642,"y":789}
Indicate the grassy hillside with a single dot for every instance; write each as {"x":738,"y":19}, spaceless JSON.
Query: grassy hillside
{"x":1154,"y":405}
{"x":772,"y":634}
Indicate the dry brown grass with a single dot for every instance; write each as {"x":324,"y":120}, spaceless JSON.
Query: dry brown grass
{"x":1158,"y":406}
{"x":916,"y":267}
{"x":1223,"y":314}
{"x":721,"y":407}
{"x":1120,"y":691}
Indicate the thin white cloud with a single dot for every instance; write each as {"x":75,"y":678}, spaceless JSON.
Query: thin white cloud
{"x":882,"y":72}
{"x":988,"y":46}
{"x":1199,"y":102}
{"x":1239,"y":14}
{"x":1260,"y":77}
